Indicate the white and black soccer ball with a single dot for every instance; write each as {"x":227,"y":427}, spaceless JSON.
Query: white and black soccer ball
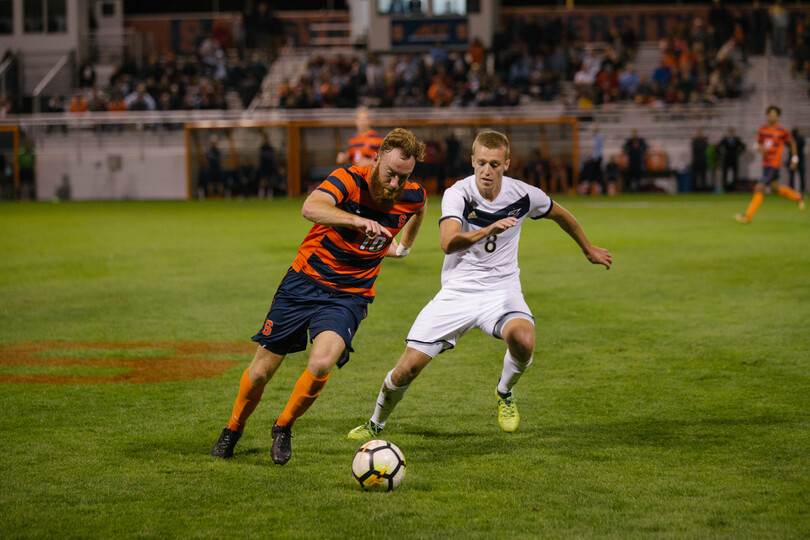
{"x":378,"y":466}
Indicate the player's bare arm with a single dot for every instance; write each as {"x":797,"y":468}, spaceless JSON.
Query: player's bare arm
{"x":570,"y":225}
{"x":409,"y":231}
{"x":453,"y":239}
{"x":320,"y":208}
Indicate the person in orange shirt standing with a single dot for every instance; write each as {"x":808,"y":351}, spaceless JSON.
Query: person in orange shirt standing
{"x":771,"y":140}
{"x":363,"y":146}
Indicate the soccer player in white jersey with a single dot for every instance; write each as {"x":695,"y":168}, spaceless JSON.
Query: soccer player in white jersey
{"x":479,"y":232}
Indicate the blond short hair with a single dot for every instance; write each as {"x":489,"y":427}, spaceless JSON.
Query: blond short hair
{"x":492,"y":140}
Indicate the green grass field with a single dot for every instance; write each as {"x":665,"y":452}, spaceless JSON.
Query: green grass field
{"x":669,"y":397}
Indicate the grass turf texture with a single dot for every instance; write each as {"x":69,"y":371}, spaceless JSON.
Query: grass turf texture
{"x":668,"y":397}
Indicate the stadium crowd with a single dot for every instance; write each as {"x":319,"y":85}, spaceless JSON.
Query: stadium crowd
{"x":532,"y":62}
{"x":529,"y":61}
{"x":168,"y":83}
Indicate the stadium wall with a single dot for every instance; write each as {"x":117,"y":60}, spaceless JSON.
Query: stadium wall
{"x":113,"y":173}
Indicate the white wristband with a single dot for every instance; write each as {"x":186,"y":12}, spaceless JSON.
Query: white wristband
{"x":794,"y":159}
{"x":402,"y":250}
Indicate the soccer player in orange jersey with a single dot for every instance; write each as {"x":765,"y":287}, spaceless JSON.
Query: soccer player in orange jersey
{"x":771,"y":140}
{"x":358,"y":212}
{"x":364,"y":144}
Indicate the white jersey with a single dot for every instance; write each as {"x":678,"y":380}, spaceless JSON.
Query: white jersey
{"x":492,"y":262}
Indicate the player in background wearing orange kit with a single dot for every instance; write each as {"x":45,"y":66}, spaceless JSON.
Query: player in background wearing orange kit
{"x":358,"y":212}
{"x":364,"y":144}
{"x":771,"y":140}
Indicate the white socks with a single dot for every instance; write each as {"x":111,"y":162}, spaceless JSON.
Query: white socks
{"x":512,"y":370}
{"x":389,"y":396}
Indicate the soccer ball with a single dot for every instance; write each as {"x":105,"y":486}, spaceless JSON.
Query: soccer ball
{"x":378,"y":466}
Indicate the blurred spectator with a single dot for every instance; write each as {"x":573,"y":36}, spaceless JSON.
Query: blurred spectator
{"x":78,"y":104}
{"x":364,"y":144}
{"x":140,"y":100}
{"x":243,"y":180}
{"x":662,"y":74}
{"x":97,"y":102}
{"x":208,"y":49}
{"x":536,"y":171}
{"x":628,"y":81}
{"x":263,"y":29}
{"x":800,"y":168}
{"x":238,"y":34}
{"x":607,"y":86}
{"x":779,"y":20}
{"x":440,"y":91}
{"x":629,"y":39}
{"x":739,"y":31}
{"x":5,"y":106}
{"x":453,"y":162}
{"x":27,"y":163}
{"x":63,"y":190}
{"x":699,"y":145}
{"x":698,"y":33}
{"x":87,"y":75}
{"x":591,"y":175}
{"x":645,"y":94}
{"x":559,"y":177}
{"x":635,"y":149}
{"x":801,"y":52}
{"x":270,"y":183}
{"x":116,"y":103}
{"x":711,"y":166}
{"x":720,"y":21}
{"x":476,"y":52}
{"x":212,"y":182}
{"x":759,"y":24}
{"x":613,"y":172}
{"x":6,"y":179}
{"x":55,"y":105}
{"x":730,"y":149}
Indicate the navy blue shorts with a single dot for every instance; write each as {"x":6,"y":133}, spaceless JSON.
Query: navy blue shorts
{"x":300,"y":305}
{"x":769,"y":174}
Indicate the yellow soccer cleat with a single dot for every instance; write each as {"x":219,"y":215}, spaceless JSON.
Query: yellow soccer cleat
{"x":508,"y":416}
{"x":369,"y":430}
{"x":801,"y":205}
{"x":741,"y":218}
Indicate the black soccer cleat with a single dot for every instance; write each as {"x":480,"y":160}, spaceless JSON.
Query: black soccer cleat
{"x":226,"y":443}
{"x":281,"y":451}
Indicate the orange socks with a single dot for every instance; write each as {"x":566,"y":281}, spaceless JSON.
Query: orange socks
{"x":793,"y":195}
{"x":249,"y":396}
{"x":756,"y":201}
{"x":306,"y":391}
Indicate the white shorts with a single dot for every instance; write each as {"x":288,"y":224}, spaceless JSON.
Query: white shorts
{"x":452,"y":314}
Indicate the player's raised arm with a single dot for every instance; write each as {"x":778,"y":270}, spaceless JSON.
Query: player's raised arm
{"x":453,"y":239}
{"x":569,"y":224}
{"x":320,"y":208}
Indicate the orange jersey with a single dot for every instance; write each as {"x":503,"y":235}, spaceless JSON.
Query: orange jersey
{"x":346,"y":259}
{"x":773,"y":139}
{"x":363,"y":146}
